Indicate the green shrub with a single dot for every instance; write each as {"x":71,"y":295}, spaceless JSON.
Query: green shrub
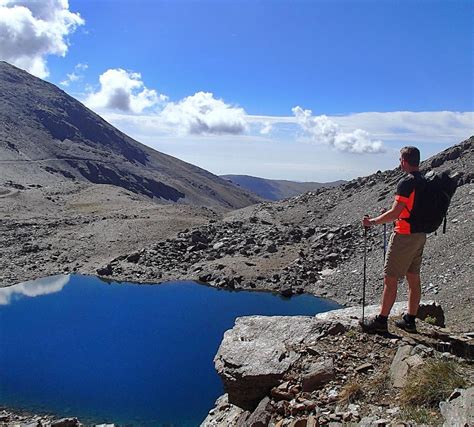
{"x":351,"y":333}
{"x":431,"y":320}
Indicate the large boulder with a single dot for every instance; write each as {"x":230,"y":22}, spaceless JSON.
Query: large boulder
{"x":254,"y":356}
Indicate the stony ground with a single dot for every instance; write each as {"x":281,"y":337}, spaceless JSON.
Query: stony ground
{"x":78,"y":227}
{"x":287,"y":371}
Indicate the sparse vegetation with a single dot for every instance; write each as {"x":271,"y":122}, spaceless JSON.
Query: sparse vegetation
{"x":431,"y":384}
{"x":350,"y":392}
{"x":421,"y":415}
{"x":431,"y":320}
{"x":380,"y":383}
{"x":351,"y":333}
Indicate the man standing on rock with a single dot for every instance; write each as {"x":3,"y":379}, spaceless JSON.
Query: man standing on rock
{"x":405,"y":249}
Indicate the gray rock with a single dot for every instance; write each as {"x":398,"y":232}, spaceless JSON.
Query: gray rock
{"x":224,"y":413}
{"x":256,"y":353}
{"x":271,"y":248}
{"x":458,"y":410}
{"x":350,"y":317}
{"x":433,"y":310}
{"x":105,"y":271}
{"x":133,"y":257}
{"x":404,"y":361}
{"x":286,"y":290}
{"x":66,"y":422}
{"x":318,"y":374}
{"x":332,"y":257}
{"x":260,"y":417}
{"x":218,"y":245}
{"x":364,"y":367}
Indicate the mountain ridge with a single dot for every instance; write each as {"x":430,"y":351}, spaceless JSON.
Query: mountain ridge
{"x":276,"y":189}
{"x":48,"y":136}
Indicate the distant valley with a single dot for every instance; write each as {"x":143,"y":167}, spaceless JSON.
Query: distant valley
{"x":274,"y":189}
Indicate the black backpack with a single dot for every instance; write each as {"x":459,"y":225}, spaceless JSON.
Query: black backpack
{"x":435,"y":191}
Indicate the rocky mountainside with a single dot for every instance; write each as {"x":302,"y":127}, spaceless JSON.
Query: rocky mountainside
{"x":48,"y":137}
{"x":273,"y":189}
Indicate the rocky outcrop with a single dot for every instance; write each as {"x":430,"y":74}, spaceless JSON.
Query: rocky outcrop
{"x":9,"y":418}
{"x":254,"y":356}
{"x":258,"y":351}
{"x":298,"y":370}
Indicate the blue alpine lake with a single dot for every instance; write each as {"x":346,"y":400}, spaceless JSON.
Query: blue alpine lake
{"x":122,"y":353}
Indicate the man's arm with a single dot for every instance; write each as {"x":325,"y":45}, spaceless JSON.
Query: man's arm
{"x":389,"y":216}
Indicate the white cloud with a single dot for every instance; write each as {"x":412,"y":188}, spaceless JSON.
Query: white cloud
{"x":283,"y":155}
{"x":424,"y":126}
{"x":30,"y":30}
{"x":75,"y":75}
{"x":202,"y":114}
{"x":266,"y":128}
{"x":434,"y":127}
{"x":124,"y":91}
{"x":321,"y":129}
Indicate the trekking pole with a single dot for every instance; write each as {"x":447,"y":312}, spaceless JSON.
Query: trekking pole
{"x":365,"y":273}
{"x":384,"y":237}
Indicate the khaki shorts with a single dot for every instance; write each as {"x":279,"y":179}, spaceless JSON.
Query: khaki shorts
{"x":404,"y":254}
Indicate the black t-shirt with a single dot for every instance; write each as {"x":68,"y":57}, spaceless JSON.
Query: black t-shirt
{"x":406,"y":193}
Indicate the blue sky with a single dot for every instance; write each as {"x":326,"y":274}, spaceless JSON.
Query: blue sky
{"x":302,"y":90}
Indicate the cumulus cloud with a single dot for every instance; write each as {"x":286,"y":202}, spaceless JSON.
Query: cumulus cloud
{"x":75,"y":75}
{"x":202,"y":114}
{"x":321,"y":129}
{"x":124,"y":91}
{"x":430,"y":126}
{"x":30,"y":30}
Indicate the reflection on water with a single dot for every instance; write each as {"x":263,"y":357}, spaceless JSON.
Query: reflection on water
{"x":34,"y":288}
{"x":127,"y":354}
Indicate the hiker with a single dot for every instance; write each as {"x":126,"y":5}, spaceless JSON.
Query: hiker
{"x":405,"y":248}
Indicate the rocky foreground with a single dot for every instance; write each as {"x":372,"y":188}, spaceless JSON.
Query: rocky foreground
{"x":304,"y":371}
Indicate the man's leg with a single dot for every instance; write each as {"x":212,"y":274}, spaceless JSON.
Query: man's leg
{"x":389,"y":294}
{"x":407,"y":321}
{"x":414,"y":293}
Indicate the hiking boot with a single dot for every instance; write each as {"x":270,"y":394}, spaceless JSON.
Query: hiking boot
{"x":374,"y":325}
{"x":407,"y":323}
